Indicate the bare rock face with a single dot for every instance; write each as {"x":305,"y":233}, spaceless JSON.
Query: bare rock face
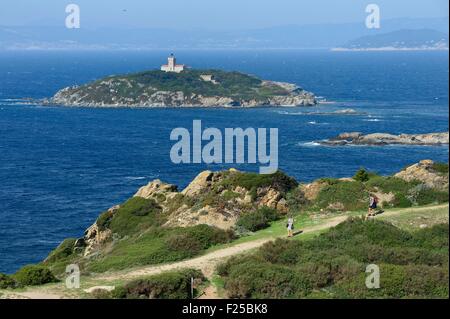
{"x":199,"y":184}
{"x":424,"y":172}
{"x":94,"y":238}
{"x":312,"y":190}
{"x":155,"y":190}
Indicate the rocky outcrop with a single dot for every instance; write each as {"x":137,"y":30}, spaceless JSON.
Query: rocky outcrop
{"x":425,"y":172}
{"x":95,"y":238}
{"x":156,"y":190}
{"x":379,"y":139}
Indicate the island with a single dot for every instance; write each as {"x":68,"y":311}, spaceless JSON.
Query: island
{"x":180,"y":86}
{"x":357,"y":138}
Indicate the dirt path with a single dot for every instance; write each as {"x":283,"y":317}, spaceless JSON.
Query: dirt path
{"x":207,"y":263}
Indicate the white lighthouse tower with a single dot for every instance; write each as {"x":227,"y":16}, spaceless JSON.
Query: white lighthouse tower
{"x":172,"y":65}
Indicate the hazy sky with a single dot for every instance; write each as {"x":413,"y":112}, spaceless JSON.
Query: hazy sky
{"x":211,"y":14}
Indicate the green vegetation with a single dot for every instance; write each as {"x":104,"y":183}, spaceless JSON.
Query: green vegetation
{"x":441,"y":168}
{"x":63,"y":251}
{"x":134,"y":216}
{"x":169,"y":285}
{"x":348,"y":196}
{"x":332,"y":265}
{"x":277,"y":180}
{"x":361,"y":175}
{"x":415,"y":219}
{"x":7,"y":281}
{"x":258,"y":219}
{"x":159,"y":245}
{"x":229,"y":84}
{"x":33,"y":275}
{"x":343,"y":195}
{"x":252,"y":181}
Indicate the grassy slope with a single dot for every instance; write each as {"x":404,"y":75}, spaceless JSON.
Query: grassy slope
{"x":403,"y":218}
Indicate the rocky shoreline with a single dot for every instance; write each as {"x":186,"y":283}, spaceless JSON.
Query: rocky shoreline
{"x":380,"y":139}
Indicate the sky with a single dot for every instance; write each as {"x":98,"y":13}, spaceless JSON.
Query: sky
{"x":211,"y":14}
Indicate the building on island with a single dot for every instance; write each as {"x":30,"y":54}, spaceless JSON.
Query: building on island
{"x":172,"y":65}
{"x":209,"y":78}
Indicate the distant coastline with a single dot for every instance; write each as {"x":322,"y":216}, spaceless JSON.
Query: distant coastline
{"x":388,"y":49}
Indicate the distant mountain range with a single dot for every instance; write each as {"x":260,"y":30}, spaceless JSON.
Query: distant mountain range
{"x":324,"y":36}
{"x":423,"y":39}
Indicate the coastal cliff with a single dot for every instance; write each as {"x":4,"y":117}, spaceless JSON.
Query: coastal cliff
{"x":191,"y":88}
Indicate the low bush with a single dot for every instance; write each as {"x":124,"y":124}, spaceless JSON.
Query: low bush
{"x":7,"y":281}
{"x":441,"y":168}
{"x":431,"y":196}
{"x":33,"y":275}
{"x":258,"y":219}
{"x":410,"y":281}
{"x":296,"y":199}
{"x":64,"y":250}
{"x":334,"y":263}
{"x":401,"y":201}
{"x":361,"y":175}
{"x":197,"y":238}
{"x":170,"y":285}
{"x":252,"y":181}
{"x":253,"y":279}
{"x":135,"y":215}
{"x":390,"y":184}
{"x":352,"y":195}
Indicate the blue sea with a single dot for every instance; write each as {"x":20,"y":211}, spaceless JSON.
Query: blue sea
{"x":60,"y":167}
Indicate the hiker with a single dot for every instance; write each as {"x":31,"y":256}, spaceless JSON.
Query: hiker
{"x":373,"y":201}
{"x":290,"y":227}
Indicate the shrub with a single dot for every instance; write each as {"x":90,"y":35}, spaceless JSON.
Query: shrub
{"x":401,"y":201}
{"x":253,"y":181}
{"x":253,"y":279}
{"x":281,"y":252}
{"x":170,"y":285}
{"x":435,"y":237}
{"x":361,"y":175}
{"x":192,"y":240}
{"x":258,"y":219}
{"x":33,"y":275}
{"x":296,"y":199}
{"x":135,"y":215}
{"x":7,"y":281}
{"x":441,"y":168}
{"x":412,"y":265}
{"x":399,"y":282}
{"x":64,"y":250}
{"x":431,"y":196}
{"x":391,"y":184}
{"x":352,"y":195}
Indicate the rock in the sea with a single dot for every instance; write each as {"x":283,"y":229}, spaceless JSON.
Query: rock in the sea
{"x":377,"y":139}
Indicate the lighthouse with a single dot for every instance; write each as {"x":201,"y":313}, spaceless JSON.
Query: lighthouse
{"x":172,"y":65}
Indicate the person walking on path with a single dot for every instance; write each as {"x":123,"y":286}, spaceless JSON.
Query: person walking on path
{"x":290,"y":227}
{"x":373,"y":201}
